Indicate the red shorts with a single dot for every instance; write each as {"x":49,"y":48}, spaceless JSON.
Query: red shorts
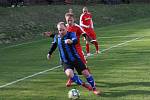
{"x":90,"y":32}
{"x":80,"y":53}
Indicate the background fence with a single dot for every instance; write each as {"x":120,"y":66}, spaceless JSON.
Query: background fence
{"x":34,"y":2}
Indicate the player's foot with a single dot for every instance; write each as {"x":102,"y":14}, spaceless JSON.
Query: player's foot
{"x":88,"y":54}
{"x":97,"y":52}
{"x":69,"y":83}
{"x":96,"y":92}
{"x":87,"y":86}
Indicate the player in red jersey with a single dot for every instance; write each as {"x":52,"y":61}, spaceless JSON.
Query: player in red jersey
{"x":73,"y":27}
{"x":87,"y":24}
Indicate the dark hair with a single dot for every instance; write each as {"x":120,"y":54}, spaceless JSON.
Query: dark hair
{"x":69,"y":14}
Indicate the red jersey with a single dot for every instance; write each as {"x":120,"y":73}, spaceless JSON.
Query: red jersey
{"x":86,"y":19}
{"x":87,"y":24}
{"x":79,"y":31}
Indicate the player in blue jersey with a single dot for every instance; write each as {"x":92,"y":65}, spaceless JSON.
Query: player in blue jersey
{"x":70,"y":59}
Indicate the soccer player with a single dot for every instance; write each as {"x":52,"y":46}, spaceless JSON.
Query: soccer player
{"x":73,"y":27}
{"x":87,"y":24}
{"x":70,"y":59}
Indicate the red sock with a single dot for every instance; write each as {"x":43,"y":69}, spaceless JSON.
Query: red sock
{"x":87,"y":48}
{"x":96,"y":45}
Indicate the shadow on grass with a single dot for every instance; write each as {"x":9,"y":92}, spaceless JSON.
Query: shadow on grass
{"x":113,"y":85}
{"x":125,"y":93}
{"x":120,"y":93}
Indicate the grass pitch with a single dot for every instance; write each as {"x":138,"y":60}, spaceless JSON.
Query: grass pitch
{"x":121,"y":71}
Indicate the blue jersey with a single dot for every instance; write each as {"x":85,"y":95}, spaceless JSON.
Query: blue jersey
{"x":67,"y":52}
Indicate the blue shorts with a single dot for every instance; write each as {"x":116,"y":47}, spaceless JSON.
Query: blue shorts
{"x":77,"y":64}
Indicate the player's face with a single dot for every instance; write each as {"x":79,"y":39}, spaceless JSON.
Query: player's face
{"x":69,"y":20}
{"x":62,"y":29}
{"x":85,"y":10}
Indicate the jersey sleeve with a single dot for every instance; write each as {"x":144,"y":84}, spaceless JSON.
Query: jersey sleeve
{"x":53,"y":45}
{"x":74,"y":38}
{"x":80,"y":30}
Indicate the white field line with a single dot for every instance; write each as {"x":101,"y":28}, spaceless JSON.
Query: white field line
{"x":45,"y":39}
{"x":120,"y":44}
{"x":13,"y":82}
{"x":30,"y":76}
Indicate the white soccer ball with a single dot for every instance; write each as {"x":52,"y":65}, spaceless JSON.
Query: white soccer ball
{"x":73,"y":94}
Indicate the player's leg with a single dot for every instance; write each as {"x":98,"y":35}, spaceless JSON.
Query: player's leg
{"x":69,"y":71}
{"x":96,"y":46}
{"x":94,"y":41}
{"x":87,"y":49}
{"x":91,"y":81}
{"x":81,"y":54}
{"x":74,"y":77}
{"x":81,"y":68}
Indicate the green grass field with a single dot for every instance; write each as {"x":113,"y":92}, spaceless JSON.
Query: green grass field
{"x":121,"y":71}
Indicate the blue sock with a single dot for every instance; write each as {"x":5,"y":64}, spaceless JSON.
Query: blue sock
{"x":91,"y":81}
{"x":76,"y":79}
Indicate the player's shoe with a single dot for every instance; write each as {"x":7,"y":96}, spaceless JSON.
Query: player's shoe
{"x":87,"y":86}
{"x":69,"y":83}
{"x":96,"y":92}
{"x":88,"y":54}
{"x":97,"y":52}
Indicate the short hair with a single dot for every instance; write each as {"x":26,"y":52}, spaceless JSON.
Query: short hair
{"x":85,"y":8}
{"x":69,"y":14}
{"x":60,"y":23}
{"x":70,"y":10}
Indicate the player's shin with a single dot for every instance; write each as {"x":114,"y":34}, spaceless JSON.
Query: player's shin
{"x":87,"y":48}
{"x":77,"y":79}
{"x":91,"y":81}
{"x":96,"y":45}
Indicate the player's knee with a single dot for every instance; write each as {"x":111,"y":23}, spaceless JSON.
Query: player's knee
{"x":85,"y":73}
{"x":69,"y":73}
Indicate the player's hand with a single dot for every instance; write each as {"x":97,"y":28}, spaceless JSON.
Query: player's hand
{"x":68,"y":41}
{"x":48,"y":34}
{"x":48,"y":56}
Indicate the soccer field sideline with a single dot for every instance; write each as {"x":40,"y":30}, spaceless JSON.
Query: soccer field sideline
{"x":45,"y":39}
{"x":38,"y":73}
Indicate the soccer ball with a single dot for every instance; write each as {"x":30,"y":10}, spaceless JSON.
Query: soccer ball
{"x":73,"y":94}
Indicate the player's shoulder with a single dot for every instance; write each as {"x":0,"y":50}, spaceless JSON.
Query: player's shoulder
{"x":76,"y":25}
{"x":82,"y":15}
{"x":89,"y":12}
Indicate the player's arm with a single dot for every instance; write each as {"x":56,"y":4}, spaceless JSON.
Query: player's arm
{"x":72,"y":40}
{"x":87,"y":38}
{"x":92,"y":26}
{"x":49,"y":34}
{"x":84,"y":34}
{"x":52,"y":48}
